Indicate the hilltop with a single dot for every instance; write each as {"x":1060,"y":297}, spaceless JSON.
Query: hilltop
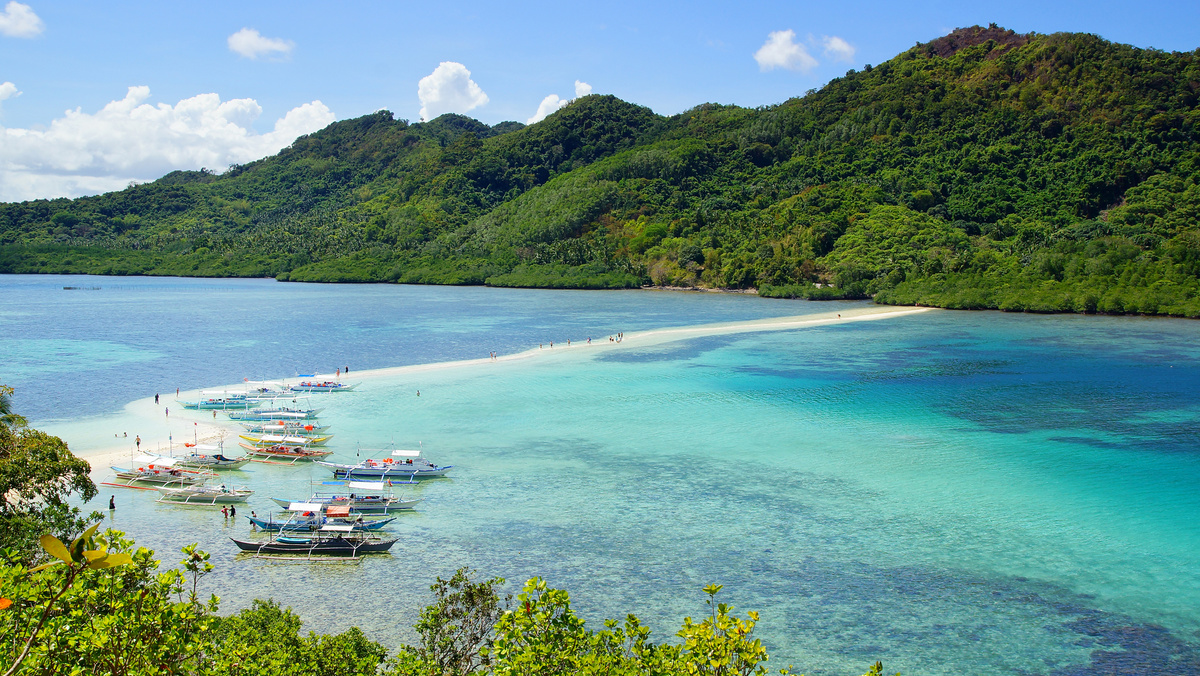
{"x":983,"y":169}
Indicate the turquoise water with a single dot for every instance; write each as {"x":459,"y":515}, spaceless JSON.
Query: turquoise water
{"x":948,"y":492}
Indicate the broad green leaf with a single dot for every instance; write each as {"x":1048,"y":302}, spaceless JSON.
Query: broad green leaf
{"x":110,"y":561}
{"x":55,"y":548}
{"x":44,"y":566}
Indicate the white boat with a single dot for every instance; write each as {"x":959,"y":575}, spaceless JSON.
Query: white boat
{"x":158,"y":469}
{"x":276,"y":413}
{"x":361,"y":497}
{"x":219,"y":401}
{"x":203,"y":495}
{"x":302,"y":428}
{"x":322,"y":386}
{"x":404,"y":464}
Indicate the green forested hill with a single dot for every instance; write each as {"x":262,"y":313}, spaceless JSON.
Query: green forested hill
{"x":985,"y":169}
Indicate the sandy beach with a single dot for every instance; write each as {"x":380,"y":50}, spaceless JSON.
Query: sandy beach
{"x":159,"y":424}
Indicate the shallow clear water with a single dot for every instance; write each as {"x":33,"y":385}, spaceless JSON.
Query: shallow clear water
{"x":948,"y":492}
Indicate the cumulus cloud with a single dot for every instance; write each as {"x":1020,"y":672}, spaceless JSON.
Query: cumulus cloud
{"x":8,"y":90}
{"x":553,"y":102}
{"x":782,"y":51}
{"x":19,"y":21}
{"x":132,"y":140}
{"x":548,"y":105}
{"x":838,"y":49}
{"x":252,"y":44}
{"x":449,"y":89}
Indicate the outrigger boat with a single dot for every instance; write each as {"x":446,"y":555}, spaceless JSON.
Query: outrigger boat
{"x":284,"y":453}
{"x":226,"y":401}
{"x":322,"y":386}
{"x":326,"y":541}
{"x":273,"y":439}
{"x":207,"y":456}
{"x":276,"y":413}
{"x":203,"y":495}
{"x":311,"y":517}
{"x":300,"y":428}
{"x":402,"y":464}
{"x":157,"y":469}
{"x":374,"y":501}
{"x":267,"y":391}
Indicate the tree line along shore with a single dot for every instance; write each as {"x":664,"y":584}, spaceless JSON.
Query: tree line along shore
{"x":984,"y":169}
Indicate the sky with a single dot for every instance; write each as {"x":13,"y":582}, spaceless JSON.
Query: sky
{"x":94,"y":96}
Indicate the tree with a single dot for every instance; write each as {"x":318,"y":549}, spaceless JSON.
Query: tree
{"x":456,"y":629}
{"x":38,"y":475}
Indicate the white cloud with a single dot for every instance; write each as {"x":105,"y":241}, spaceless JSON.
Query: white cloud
{"x":19,"y":21}
{"x":782,"y":51}
{"x":449,"y":89}
{"x":838,"y":49}
{"x":251,"y":44}
{"x":552,"y":103}
{"x":548,"y":105}
{"x":8,"y":90}
{"x":129,"y":139}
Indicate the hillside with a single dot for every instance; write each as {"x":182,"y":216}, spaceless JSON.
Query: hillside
{"x":985,"y":169}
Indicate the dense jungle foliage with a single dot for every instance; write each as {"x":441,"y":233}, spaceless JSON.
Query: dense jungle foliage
{"x":985,"y":169}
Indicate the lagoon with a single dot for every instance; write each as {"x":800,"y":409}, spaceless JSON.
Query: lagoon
{"x":946,"y":491}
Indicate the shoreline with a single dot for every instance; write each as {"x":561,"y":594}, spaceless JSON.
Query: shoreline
{"x":146,"y":414}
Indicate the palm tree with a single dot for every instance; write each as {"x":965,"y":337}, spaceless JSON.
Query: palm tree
{"x":7,"y":417}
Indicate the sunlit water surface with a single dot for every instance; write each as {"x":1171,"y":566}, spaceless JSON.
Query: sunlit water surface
{"x":948,"y":492}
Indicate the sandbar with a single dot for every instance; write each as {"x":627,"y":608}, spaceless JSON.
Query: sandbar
{"x":158,"y":430}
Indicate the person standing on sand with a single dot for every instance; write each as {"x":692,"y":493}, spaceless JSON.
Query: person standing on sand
{"x":156,"y":399}
{"x":138,"y":440}
{"x":167,"y":411}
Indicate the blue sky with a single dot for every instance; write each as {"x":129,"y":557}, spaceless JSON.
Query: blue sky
{"x":325,"y":61}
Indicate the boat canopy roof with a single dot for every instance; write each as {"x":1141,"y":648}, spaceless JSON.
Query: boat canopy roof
{"x":305,"y":507}
{"x":207,"y":447}
{"x":339,"y":510}
{"x":160,"y":460}
{"x":367,"y":485}
{"x":338,"y":529}
{"x":406,"y":454}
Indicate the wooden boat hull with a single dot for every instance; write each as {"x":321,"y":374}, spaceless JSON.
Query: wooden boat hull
{"x":337,"y":546}
{"x":218,"y":404}
{"x":292,"y":454}
{"x":323,"y":387}
{"x":276,"y":414}
{"x":183,"y":496}
{"x":396,"y":472}
{"x":156,"y":477}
